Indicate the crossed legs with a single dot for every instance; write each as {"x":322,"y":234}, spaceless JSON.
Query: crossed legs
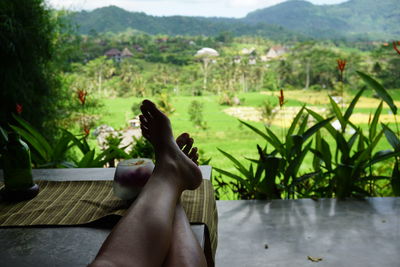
{"x":155,"y":230}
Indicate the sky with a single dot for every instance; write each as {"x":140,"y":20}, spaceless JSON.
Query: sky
{"x":205,"y":8}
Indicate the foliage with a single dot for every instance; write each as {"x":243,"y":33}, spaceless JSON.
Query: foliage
{"x":135,"y":108}
{"x":28,"y":76}
{"x":196,"y":114}
{"x":142,"y":148}
{"x":164,"y":104}
{"x":45,"y":155}
{"x":284,"y":161}
{"x":347,"y":171}
{"x":287,"y":20}
{"x":268,"y":111}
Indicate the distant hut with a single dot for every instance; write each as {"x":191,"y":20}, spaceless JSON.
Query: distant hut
{"x":274,"y":52}
{"x":126,"y":53}
{"x":114,"y":54}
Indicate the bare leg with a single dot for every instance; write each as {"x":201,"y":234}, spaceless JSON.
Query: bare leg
{"x":143,"y":236}
{"x":185,"y":249}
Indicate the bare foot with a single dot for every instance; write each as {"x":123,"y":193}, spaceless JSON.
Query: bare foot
{"x":156,"y":128}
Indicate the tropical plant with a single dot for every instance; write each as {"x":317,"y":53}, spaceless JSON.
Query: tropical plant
{"x":45,"y":155}
{"x":281,"y":165}
{"x":349,"y":169}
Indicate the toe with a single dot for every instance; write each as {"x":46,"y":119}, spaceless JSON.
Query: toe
{"x":192,"y":154}
{"x":151,"y":108}
{"x":188,"y":146}
{"x":143,"y":120}
{"x":145,"y":112}
{"x":182,"y":140}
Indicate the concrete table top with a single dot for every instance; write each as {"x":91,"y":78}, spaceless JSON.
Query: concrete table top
{"x":285,"y":232}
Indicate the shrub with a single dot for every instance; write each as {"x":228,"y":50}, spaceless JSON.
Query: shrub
{"x":196,"y":114}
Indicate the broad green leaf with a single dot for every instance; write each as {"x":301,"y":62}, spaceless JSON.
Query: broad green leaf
{"x":276,"y":142}
{"x":327,"y":155}
{"x":315,"y":128}
{"x":81,"y":144}
{"x":379,"y":89}
{"x":383,"y":155}
{"x":395,"y":181}
{"x":319,"y":118}
{"x":353,"y":139}
{"x":392,"y":138}
{"x":338,"y":113}
{"x":353,"y":103}
{"x":40,"y":139}
{"x":303,"y":125}
{"x":375,"y":120}
{"x":33,"y":142}
{"x":87,"y":160}
{"x":239,"y":166}
{"x":257,"y":131}
{"x":295,"y":121}
{"x":61,"y":148}
{"x":234,"y":176}
{"x":294,"y":165}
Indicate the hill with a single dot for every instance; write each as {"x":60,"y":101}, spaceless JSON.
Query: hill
{"x":115,"y":19}
{"x":353,"y":19}
{"x":294,"y":19}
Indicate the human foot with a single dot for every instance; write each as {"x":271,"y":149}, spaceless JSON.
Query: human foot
{"x":156,"y":128}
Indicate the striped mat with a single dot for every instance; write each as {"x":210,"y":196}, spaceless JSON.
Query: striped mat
{"x":83,"y":202}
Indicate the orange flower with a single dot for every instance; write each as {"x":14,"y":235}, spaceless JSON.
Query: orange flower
{"x":18,"y":108}
{"x":395,"y":47}
{"x":281,"y":98}
{"x":82,"y":96}
{"x":86,"y":130}
{"x":341,"y":64}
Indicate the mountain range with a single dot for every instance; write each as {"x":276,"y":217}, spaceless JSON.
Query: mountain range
{"x":293,"y":19}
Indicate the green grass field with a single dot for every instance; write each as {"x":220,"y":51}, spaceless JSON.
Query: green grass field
{"x":225,"y":132}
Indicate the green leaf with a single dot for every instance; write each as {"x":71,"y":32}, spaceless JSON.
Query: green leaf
{"x":353,"y":103}
{"x":319,"y":118}
{"x":303,"y":125}
{"x":40,"y":139}
{"x":383,"y":155}
{"x":353,"y":139}
{"x":81,"y":144}
{"x":295,"y":121}
{"x":238,"y":166}
{"x":44,"y":155}
{"x":276,"y":142}
{"x":338,"y":114}
{"x":379,"y":89}
{"x":87,"y":160}
{"x":61,"y":148}
{"x":257,"y":131}
{"x":375,"y":120}
{"x":315,"y":128}
{"x":234,"y":176}
{"x":395,"y":181}
{"x":392,"y":138}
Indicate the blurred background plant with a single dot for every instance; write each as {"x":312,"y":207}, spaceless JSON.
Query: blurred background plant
{"x":195,"y":111}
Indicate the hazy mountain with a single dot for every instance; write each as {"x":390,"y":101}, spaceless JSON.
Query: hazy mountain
{"x":291,"y":19}
{"x":116,"y":19}
{"x":355,"y":18}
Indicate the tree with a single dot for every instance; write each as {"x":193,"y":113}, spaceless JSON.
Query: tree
{"x":28,"y":76}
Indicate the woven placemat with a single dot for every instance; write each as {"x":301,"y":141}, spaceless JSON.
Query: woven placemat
{"x":83,"y":202}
